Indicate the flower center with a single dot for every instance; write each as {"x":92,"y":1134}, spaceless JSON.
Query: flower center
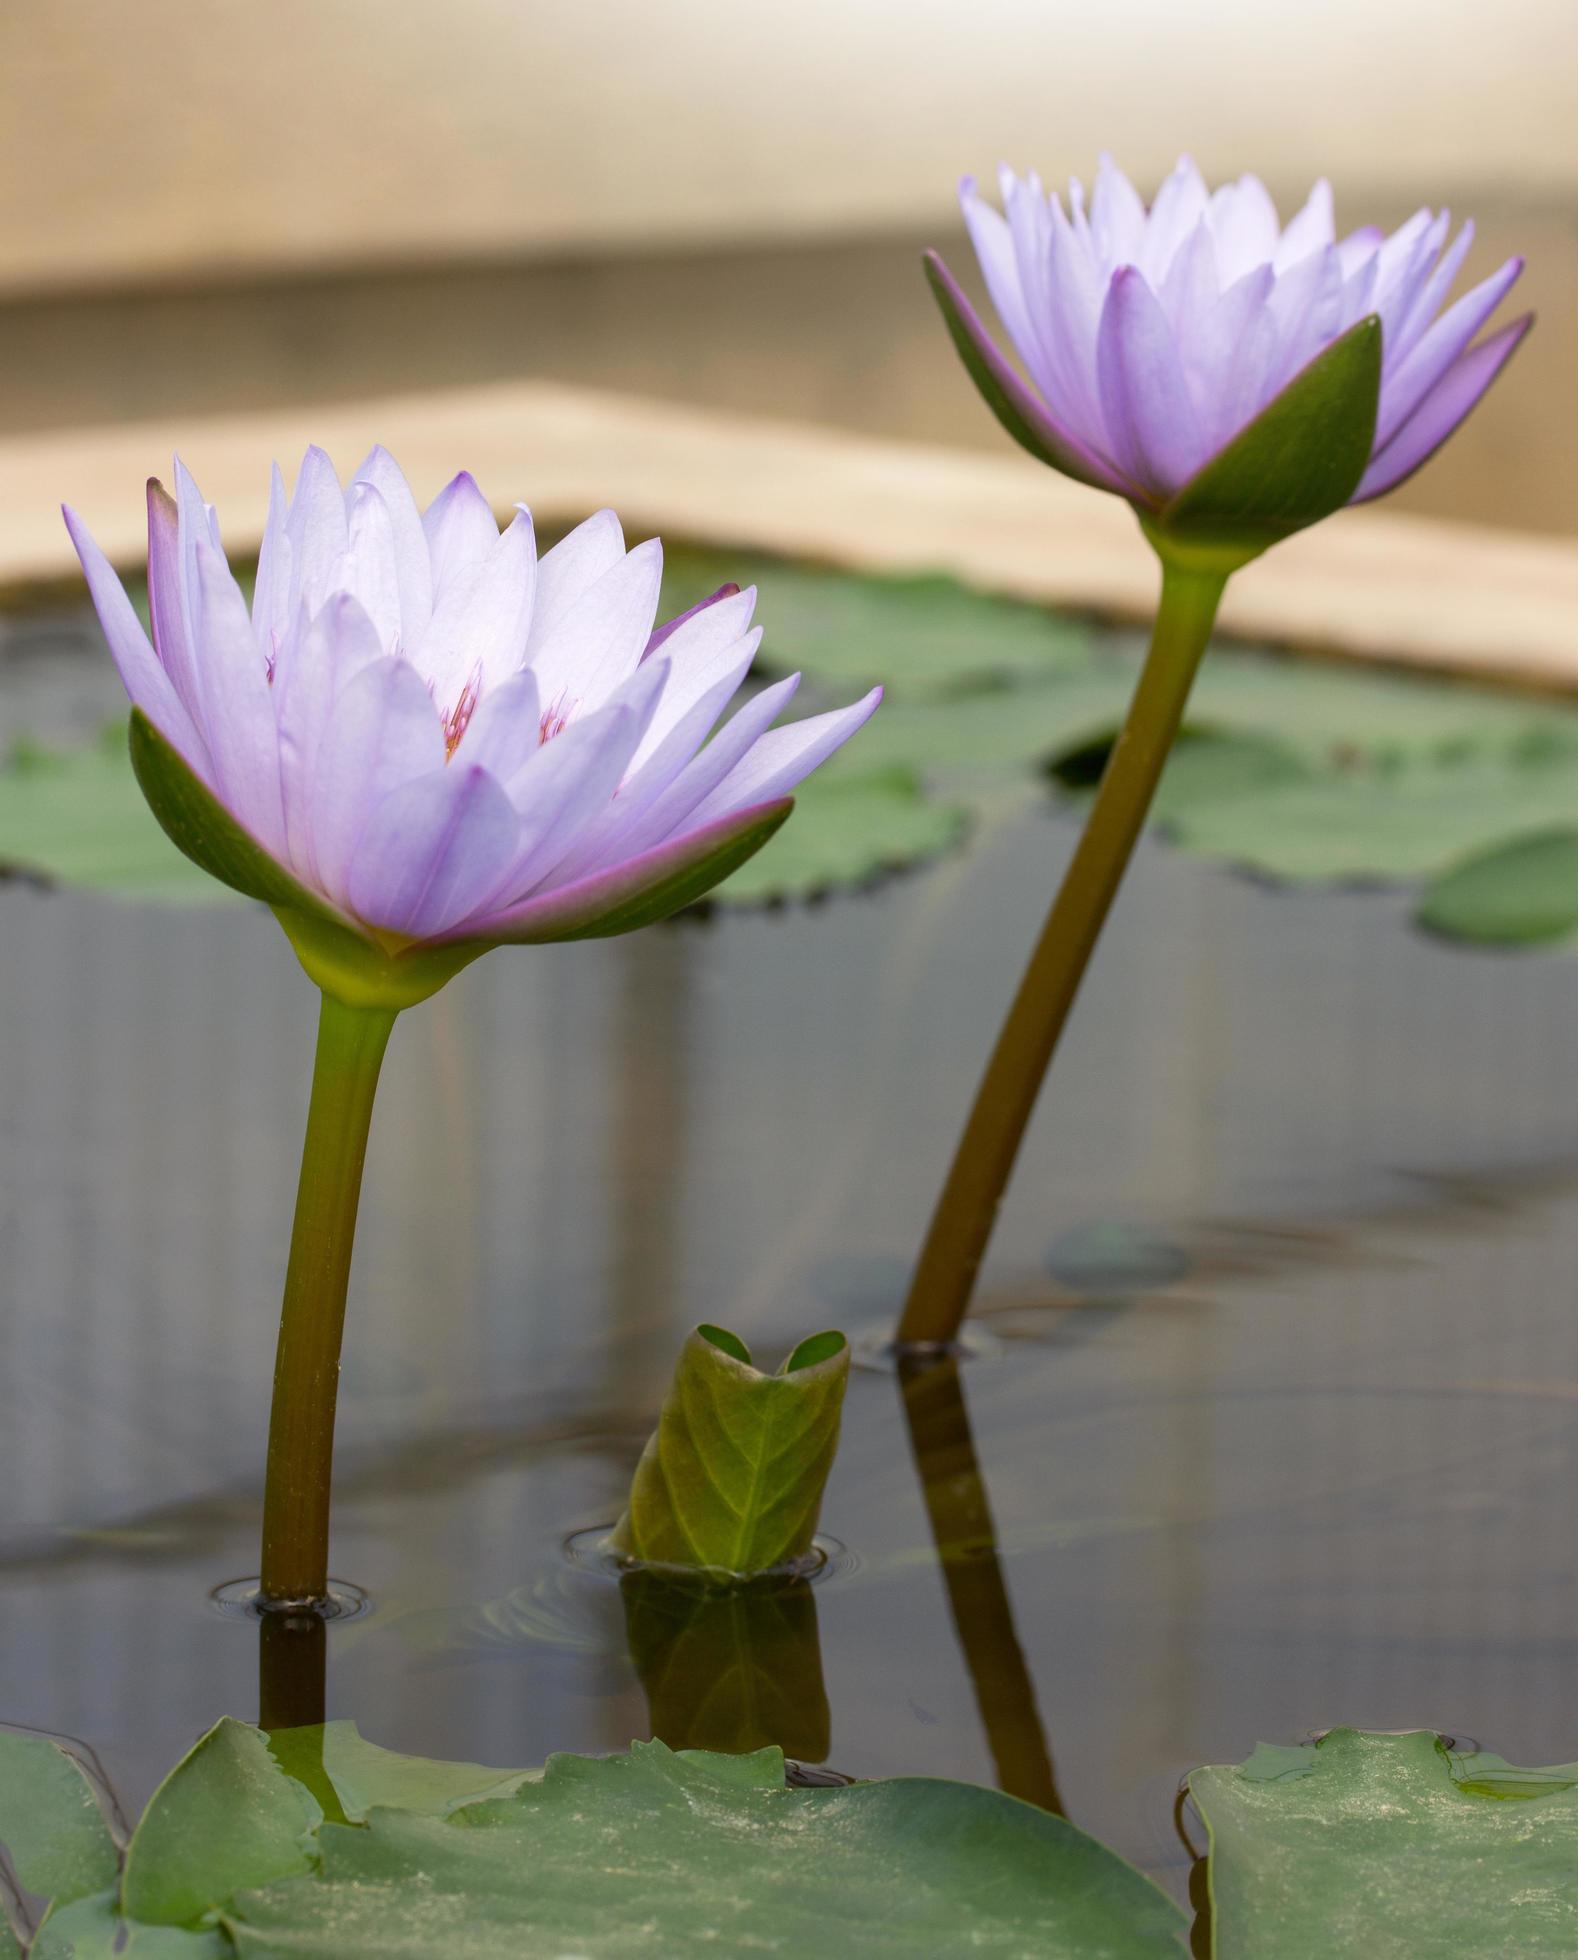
{"x":555,"y":719}
{"x":458,"y":719}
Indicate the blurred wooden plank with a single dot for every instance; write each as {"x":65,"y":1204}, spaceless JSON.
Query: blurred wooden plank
{"x":1367,"y":584}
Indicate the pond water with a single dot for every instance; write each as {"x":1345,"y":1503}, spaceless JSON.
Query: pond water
{"x":1278,"y":1428}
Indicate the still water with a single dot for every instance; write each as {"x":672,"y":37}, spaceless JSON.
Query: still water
{"x":1278,"y":1429}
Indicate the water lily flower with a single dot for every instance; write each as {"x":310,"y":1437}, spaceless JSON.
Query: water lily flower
{"x":1154,"y":338}
{"x":418,"y":741}
{"x":434,"y":737}
{"x":1235,"y":380}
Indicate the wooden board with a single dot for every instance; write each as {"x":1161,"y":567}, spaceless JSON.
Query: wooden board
{"x":1366,"y":584}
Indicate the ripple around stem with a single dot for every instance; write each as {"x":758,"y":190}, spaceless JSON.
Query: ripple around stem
{"x":244,"y":1599}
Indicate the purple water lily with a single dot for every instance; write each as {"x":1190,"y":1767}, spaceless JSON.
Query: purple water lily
{"x":1236,"y":380}
{"x":1152,"y":337}
{"x":420,"y":740}
{"x":434,"y":732}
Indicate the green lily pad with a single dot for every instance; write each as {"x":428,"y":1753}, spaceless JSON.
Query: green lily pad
{"x":921,"y":637}
{"x":731,"y":1479}
{"x":1390,"y":1846}
{"x":653,"y":1851}
{"x":51,"y":1821}
{"x":848,"y":831}
{"x":658,"y":1851}
{"x":226,"y":1816}
{"x":1522,"y":893}
{"x":1292,"y":768}
{"x":1378,"y":825}
{"x":93,"y":1929}
{"x":78,"y":818}
{"x":364,"y":1777}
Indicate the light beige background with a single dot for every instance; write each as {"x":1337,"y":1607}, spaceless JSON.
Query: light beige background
{"x":222,"y":205}
{"x":166,"y":136}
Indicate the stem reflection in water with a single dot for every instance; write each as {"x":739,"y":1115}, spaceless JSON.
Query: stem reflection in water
{"x":972,"y":1570}
{"x":293,"y":1653}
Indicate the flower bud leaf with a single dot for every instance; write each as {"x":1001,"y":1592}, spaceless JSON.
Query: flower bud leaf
{"x":199,"y":825}
{"x":1299,"y":460}
{"x":730,"y":1483}
{"x":1014,"y":404}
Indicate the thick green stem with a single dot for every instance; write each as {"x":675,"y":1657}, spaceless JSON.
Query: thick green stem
{"x":351,"y":1043}
{"x":967,"y":1209}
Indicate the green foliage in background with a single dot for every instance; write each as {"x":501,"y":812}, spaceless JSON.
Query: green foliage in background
{"x":1390,"y":1846}
{"x":1296,"y":770}
{"x":731,"y":1479}
{"x":325,"y":1846}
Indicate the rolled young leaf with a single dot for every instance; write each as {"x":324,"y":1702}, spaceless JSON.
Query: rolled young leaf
{"x":731,"y":1480}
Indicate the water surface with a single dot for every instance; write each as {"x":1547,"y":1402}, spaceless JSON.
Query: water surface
{"x":1281,"y":1429}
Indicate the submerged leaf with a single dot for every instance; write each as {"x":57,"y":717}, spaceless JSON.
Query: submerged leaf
{"x":665,"y":1853}
{"x":226,"y":1816}
{"x":1522,"y":893}
{"x":1392,"y":1847}
{"x":731,"y":1480}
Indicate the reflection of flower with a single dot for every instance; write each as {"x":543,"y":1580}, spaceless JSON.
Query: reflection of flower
{"x":1153,"y":337}
{"x":435,"y":733}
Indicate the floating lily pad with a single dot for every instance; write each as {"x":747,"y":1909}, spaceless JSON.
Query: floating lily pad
{"x":663,"y":1852}
{"x":51,"y":1821}
{"x":225,"y":1817}
{"x":1378,"y":824}
{"x":1524,"y":893}
{"x":920,"y":636}
{"x":847,"y":831}
{"x":1389,"y":1846}
{"x":651,"y":1851}
{"x":1295,"y":769}
{"x":78,"y":818}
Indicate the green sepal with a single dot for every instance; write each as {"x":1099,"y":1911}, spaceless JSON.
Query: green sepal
{"x":200,"y":826}
{"x":651,"y":904}
{"x":362,"y":974}
{"x":730,"y":1483}
{"x":1300,"y":459}
{"x":1014,"y":405}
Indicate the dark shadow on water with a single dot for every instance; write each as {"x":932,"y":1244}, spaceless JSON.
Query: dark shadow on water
{"x":966,"y":1540}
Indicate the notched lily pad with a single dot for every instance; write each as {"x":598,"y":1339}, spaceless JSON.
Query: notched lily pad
{"x":1390,"y":1846}
{"x":678,"y":1853}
